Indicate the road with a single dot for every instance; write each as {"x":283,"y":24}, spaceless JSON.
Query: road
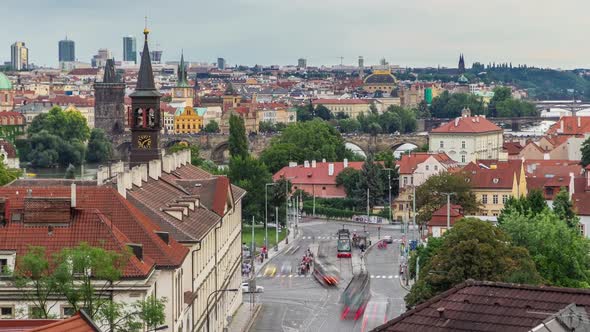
{"x":299,"y":303}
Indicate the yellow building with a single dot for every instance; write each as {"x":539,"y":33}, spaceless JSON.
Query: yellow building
{"x":187,"y":121}
{"x":351,"y":107}
{"x":380,"y":80}
{"x":494,"y":181}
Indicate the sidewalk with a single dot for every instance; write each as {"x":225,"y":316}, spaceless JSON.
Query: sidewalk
{"x":244,"y":317}
{"x":258,"y":266}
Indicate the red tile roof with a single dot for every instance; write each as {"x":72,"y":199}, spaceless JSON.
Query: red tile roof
{"x":318,"y":175}
{"x":493,"y":173}
{"x":467,"y":124}
{"x":84,"y":72}
{"x":77,"y":323}
{"x":9,"y":148}
{"x":513,"y":148}
{"x":570,"y":125}
{"x":409,"y":162}
{"x":114,"y":210}
{"x":23,"y":325}
{"x":439,"y":217}
{"x":580,"y":201}
{"x":488,"y":306}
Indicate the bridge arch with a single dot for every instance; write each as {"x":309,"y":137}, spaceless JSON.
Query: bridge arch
{"x":220,"y":153}
{"x":355,"y":148}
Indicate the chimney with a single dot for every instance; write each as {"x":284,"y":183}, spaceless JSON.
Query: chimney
{"x":345,"y":162}
{"x":331,"y":169}
{"x":560,"y":126}
{"x":313,"y":164}
{"x":136,"y":176}
{"x":73,"y":195}
{"x":457,"y":122}
{"x":292,"y":164}
{"x":306,"y":164}
{"x":136,"y":249}
{"x":579,"y":121}
{"x":121,"y":185}
{"x":144,"y":172}
{"x":164,"y":236}
{"x":323,"y":160}
{"x":441,"y":312}
{"x":572,"y":188}
{"x":153,"y":171}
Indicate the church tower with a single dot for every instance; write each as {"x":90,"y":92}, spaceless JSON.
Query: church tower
{"x":109,"y":102}
{"x":145,"y":119}
{"x":461,"y":64}
{"x":182,"y":92}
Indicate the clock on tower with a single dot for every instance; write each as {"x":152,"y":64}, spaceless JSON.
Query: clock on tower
{"x":145,"y":118}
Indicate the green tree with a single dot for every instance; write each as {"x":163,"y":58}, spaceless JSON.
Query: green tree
{"x":560,"y":253}
{"x":72,"y":274}
{"x":423,"y":110}
{"x":585,"y":153}
{"x":349,"y":178}
{"x":238,"y":142}
{"x":429,"y":197}
{"x":8,"y":175}
{"x":371,"y":180}
{"x":70,"y":172}
{"x":304,"y":113}
{"x":302,"y":141}
{"x":99,"y":147}
{"x":564,"y":209}
{"x":266,"y":127}
{"x":323,"y":113}
{"x":252,"y":175}
{"x":472,"y":249}
{"x":195,"y":153}
{"x":448,"y":105}
{"x":501,"y":94}
{"x":211,"y":127}
{"x":349,"y":125}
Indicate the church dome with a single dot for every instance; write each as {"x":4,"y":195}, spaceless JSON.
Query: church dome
{"x":5,"y":83}
{"x":380,"y":77}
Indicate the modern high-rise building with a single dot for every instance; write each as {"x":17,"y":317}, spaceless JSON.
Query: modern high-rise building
{"x":67,"y":50}
{"x":129,"y":49}
{"x":302,"y":63}
{"x":19,"y":56}
{"x":220,"y":63}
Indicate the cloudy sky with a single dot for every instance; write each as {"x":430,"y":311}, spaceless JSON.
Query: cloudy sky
{"x":409,"y":33}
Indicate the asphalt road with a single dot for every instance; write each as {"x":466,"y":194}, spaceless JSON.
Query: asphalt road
{"x":299,"y":303}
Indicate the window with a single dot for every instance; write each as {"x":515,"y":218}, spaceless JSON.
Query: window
{"x":504,"y":199}
{"x":484,"y":199}
{"x":7,"y":312}
{"x":35,"y":312}
{"x":549,"y":191}
{"x":3,"y":265}
{"x":67,"y":312}
{"x":427,"y":167}
{"x":582,"y":228}
{"x":442,"y":144}
{"x":494,"y":199}
{"x":436,"y":167}
{"x":462,"y":158}
{"x":405,"y":181}
{"x":462,"y":144}
{"x":495,"y":213}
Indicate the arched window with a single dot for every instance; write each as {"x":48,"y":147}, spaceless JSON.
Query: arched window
{"x":138,"y":118}
{"x":151,"y":118}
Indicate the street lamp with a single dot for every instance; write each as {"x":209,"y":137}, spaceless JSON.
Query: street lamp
{"x":209,"y":298}
{"x":266,"y":213}
{"x":448,"y":208}
{"x":389,"y":183}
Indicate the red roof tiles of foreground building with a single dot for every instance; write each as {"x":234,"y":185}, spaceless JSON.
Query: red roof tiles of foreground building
{"x":314,"y":175}
{"x":112,"y":207}
{"x":409,"y":162}
{"x":488,"y":306}
{"x":493,"y":173}
{"x":468,"y":124}
{"x":439,"y":217}
{"x":80,"y":322}
{"x":570,"y":125}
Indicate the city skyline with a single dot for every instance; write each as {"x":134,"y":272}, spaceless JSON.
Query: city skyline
{"x":427,"y":33}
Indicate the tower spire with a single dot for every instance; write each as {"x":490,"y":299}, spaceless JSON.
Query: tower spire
{"x":145,"y":78}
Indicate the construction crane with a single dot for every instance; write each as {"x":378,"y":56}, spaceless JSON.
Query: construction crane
{"x":341,"y":59}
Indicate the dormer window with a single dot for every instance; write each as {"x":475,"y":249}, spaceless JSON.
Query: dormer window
{"x":7,"y":261}
{"x":496,"y":180}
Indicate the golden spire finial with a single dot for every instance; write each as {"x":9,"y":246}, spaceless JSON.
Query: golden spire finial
{"x":146,"y":31}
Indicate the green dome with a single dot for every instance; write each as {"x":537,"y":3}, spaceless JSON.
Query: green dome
{"x":5,"y":82}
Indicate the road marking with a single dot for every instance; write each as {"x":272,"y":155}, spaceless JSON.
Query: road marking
{"x":377,"y":277}
{"x":396,"y":276}
{"x":372,"y":276}
{"x":390,"y":277}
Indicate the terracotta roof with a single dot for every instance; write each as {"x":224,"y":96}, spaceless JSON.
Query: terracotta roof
{"x":467,"y":124}
{"x":570,"y":125}
{"x":318,"y":175}
{"x":439,"y":217}
{"x":580,"y":201}
{"x":114,"y":210}
{"x":80,"y":322}
{"x":9,"y":148}
{"x":493,"y":173}
{"x":513,"y":148}
{"x":23,"y":325}
{"x":409,"y":162}
{"x":84,"y":71}
{"x":551,"y":168}
{"x":488,"y":306}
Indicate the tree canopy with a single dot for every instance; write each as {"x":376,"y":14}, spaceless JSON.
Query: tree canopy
{"x":252,"y":175}
{"x":585,"y":153}
{"x":472,"y":249}
{"x":238,"y":142}
{"x":429,"y":197}
{"x":211,"y":127}
{"x":302,"y":141}
{"x":99,"y":147}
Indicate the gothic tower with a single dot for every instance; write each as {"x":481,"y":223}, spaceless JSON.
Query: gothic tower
{"x":145,"y":119}
{"x":182,"y":92}
{"x":109,"y":102}
{"x":461,"y":64}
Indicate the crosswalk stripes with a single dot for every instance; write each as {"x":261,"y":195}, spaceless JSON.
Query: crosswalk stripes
{"x":285,"y":276}
{"x":384,"y":276}
{"x":326,"y":237}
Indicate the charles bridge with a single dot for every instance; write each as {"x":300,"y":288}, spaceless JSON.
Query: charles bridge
{"x":215,"y":146}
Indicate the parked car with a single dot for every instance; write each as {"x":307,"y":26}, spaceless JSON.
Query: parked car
{"x":245,"y":289}
{"x":388,"y":239}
